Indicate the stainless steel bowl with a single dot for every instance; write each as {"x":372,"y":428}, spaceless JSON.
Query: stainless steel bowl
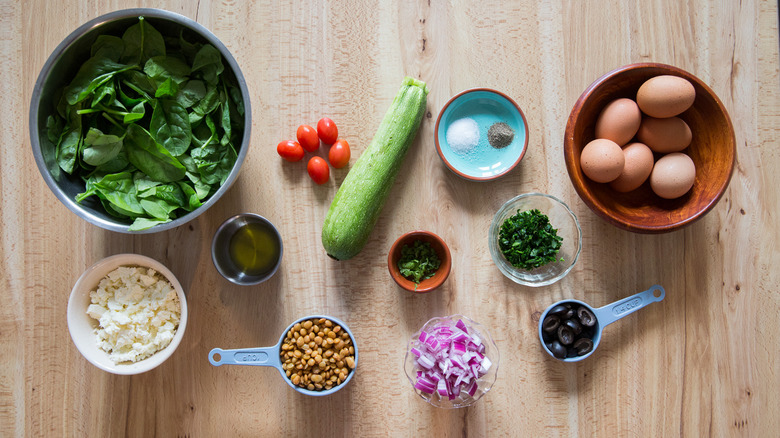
{"x":221,"y":243}
{"x":58,"y":71}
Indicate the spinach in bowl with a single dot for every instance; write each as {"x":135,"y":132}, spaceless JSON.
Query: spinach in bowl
{"x":149,"y":123}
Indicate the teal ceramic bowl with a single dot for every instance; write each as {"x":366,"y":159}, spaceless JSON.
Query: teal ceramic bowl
{"x":468,"y":152}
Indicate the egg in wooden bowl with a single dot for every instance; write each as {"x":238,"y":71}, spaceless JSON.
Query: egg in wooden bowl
{"x":712,"y":149}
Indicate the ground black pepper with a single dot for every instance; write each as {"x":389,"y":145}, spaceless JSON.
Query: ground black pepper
{"x":500,"y":135}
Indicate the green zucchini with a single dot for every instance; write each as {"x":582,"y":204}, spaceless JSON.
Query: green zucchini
{"x":358,"y":202}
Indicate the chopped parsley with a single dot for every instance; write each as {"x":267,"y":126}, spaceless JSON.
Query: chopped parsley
{"x":528,"y":241}
{"x":418,"y":262}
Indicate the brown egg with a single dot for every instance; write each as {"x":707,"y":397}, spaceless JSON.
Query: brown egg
{"x":639,"y":164}
{"x":665,"y":96}
{"x":671,"y":134}
{"x":619,"y":121}
{"x":673,"y":175}
{"x":602,"y":160}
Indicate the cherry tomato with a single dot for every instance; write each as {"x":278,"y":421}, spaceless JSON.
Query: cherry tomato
{"x":307,"y":137}
{"x":327,"y":130}
{"x":318,"y":170}
{"x":339,"y":154}
{"x":290,"y":150}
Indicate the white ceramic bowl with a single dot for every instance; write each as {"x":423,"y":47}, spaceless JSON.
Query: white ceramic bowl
{"x":82,"y":326}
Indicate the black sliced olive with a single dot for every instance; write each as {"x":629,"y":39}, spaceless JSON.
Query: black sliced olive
{"x":587,"y":318}
{"x":558,"y":310}
{"x":565,"y":335}
{"x":563,"y":311}
{"x":557,"y":349}
{"x":583,"y":346}
{"x":551,"y":323}
{"x":575,"y":326}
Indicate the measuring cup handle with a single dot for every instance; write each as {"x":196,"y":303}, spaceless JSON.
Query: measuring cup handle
{"x":267,"y":357}
{"x":612,"y":312}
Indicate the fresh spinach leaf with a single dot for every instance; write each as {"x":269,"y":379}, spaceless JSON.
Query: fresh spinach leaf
{"x":161,"y":68}
{"x":137,"y":113}
{"x":108,"y":46}
{"x":235,"y":97}
{"x":54,"y":128}
{"x":143,"y":223}
{"x":104,"y":92}
{"x":193,"y":200}
{"x":202,"y":190}
{"x":158,"y":208}
{"x":67,"y":150}
{"x":191,"y":93}
{"x":142,"y":41}
{"x":168,"y":88}
{"x":227,"y":129}
{"x":208,"y":62}
{"x":209,"y":103}
{"x":140,"y":83}
{"x":150,"y":157}
{"x":92,"y":74}
{"x":119,"y":190}
{"x":204,"y":133}
{"x":170,"y":126}
{"x":143,"y":184}
{"x":189,"y":50}
{"x":100,"y":148}
{"x":117,"y":164}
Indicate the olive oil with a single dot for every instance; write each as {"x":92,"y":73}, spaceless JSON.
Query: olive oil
{"x":254,"y":249}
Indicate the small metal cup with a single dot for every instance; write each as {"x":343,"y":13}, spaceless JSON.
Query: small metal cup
{"x":220,"y":249}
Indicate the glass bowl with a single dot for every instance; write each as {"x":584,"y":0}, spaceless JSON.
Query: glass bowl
{"x":484,"y":382}
{"x":561,"y":218}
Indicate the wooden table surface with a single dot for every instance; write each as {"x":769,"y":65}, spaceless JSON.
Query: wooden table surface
{"x":705,"y":361}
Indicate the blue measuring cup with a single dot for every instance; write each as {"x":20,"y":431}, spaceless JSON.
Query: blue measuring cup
{"x":605,"y":315}
{"x":269,"y":356}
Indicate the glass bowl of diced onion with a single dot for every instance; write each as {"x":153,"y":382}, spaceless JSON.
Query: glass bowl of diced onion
{"x":451,"y":362}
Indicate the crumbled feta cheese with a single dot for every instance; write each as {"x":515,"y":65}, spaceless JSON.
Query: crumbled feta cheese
{"x":138,"y":311}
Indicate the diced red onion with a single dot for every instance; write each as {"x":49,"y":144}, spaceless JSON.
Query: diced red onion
{"x":423,"y":387}
{"x":442,"y":387}
{"x":472,"y":389}
{"x":451,"y":361}
{"x":425,"y":361}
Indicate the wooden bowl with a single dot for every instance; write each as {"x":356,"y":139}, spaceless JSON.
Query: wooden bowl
{"x":713,"y":150}
{"x":437,"y":244}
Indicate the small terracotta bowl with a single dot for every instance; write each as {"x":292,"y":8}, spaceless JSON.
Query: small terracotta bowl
{"x":713,"y":151}
{"x":437,"y":244}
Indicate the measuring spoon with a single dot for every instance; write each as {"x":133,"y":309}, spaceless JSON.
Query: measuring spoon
{"x":604,"y":316}
{"x":269,"y":356}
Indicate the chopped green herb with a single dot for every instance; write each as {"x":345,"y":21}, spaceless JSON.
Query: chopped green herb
{"x":418,"y":262}
{"x":528,"y":241}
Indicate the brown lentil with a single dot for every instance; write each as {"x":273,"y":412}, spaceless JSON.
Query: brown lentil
{"x":317,"y":354}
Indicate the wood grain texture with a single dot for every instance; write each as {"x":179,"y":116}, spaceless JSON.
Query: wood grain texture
{"x":704,"y":362}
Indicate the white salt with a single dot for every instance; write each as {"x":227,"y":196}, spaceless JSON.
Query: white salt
{"x":463,"y":135}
